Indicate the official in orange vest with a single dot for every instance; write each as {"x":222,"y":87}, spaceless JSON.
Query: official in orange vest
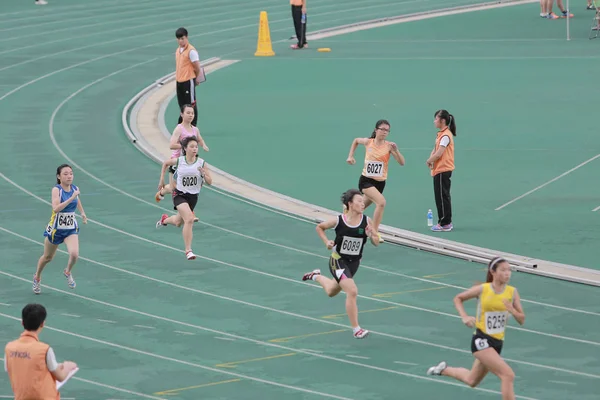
{"x":187,"y":72}
{"x":441,"y":164}
{"x":31,"y":365}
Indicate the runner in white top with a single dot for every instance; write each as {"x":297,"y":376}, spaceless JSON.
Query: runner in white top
{"x":182,"y":131}
{"x":191,"y":174}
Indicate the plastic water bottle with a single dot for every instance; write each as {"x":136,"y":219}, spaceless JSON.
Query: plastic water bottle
{"x":304,"y":18}
{"x":429,"y":218}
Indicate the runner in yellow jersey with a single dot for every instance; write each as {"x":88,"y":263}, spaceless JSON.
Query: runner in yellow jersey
{"x":496,"y":302}
{"x":374,"y":175}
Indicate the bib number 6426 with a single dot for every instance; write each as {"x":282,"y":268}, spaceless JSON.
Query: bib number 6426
{"x":66,"y":221}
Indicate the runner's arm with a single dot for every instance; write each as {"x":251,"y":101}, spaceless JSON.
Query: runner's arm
{"x":81,"y":211}
{"x":166,"y":164}
{"x":396,"y":153}
{"x":322,"y":227}
{"x":57,"y":206}
{"x":201,"y":141}
{"x":516,"y":309}
{"x":206,"y":174}
{"x":174,"y":143}
{"x":374,"y":240}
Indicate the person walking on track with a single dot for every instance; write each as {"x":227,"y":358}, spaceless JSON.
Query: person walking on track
{"x":441,"y":164}
{"x":188,"y":73}
{"x":299,"y":18}
{"x":351,"y":232}
{"x":374,"y":175}
{"x":190,"y":175}
{"x":63,"y":226}
{"x":497,"y":301}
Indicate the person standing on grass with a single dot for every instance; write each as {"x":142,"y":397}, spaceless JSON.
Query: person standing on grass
{"x":299,"y":18}
{"x":31,"y":364}
{"x":441,"y":164}
{"x":187,"y":73}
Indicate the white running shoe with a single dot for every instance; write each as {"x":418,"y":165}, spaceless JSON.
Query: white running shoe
{"x":161,"y":221}
{"x":70,"y":280}
{"x":37,"y":287}
{"x":190,"y":256}
{"x":308,"y":276}
{"x":361,"y":333}
{"x":437,"y":370}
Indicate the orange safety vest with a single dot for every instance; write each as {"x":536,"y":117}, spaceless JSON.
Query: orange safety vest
{"x":446,"y":162}
{"x":184,"y":69}
{"x":27,"y":369}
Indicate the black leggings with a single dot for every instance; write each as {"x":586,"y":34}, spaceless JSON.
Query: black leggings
{"x":299,"y":27}
{"x":186,"y":94}
{"x":441,"y":188}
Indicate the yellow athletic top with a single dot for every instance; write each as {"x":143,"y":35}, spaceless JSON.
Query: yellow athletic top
{"x":376,"y":160}
{"x":492,"y":315}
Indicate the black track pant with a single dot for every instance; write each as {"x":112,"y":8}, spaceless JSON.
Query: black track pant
{"x":186,"y":94}
{"x":441,"y":188}
{"x":298,"y":25}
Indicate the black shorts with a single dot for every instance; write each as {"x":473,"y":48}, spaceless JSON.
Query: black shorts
{"x":481,"y":341}
{"x":340,"y":267}
{"x":364,"y":182}
{"x":180,"y":198}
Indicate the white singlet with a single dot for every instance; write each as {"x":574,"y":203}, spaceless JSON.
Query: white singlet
{"x":188,"y":177}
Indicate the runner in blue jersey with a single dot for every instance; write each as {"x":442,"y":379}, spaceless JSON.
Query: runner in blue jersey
{"x":63,"y":227}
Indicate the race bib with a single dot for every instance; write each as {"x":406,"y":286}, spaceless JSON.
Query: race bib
{"x":65,"y":221}
{"x":495,"y":322}
{"x":351,"y":246}
{"x":189,"y":181}
{"x":481,"y":344}
{"x":374,"y":168}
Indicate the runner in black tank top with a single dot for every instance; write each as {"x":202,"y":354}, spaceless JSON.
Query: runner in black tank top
{"x":351,"y":232}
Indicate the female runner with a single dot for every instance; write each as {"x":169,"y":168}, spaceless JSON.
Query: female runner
{"x":191,"y":173}
{"x":375,"y":170}
{"x":496,"y":301}
{"x":351,"y":232}
{"x":182,"y":131}
{"x":62,"y":227}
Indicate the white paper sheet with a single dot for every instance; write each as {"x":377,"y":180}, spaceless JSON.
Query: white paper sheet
{"x":61,"y":384}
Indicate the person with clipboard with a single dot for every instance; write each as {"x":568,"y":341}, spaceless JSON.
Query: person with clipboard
{"x":28,"y":360}
{"x":188,"y":72}
{"x":299,"y":17}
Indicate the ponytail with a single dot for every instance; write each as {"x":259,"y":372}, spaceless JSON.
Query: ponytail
{"x":448,"y":119}
{"x":452,"y":125}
